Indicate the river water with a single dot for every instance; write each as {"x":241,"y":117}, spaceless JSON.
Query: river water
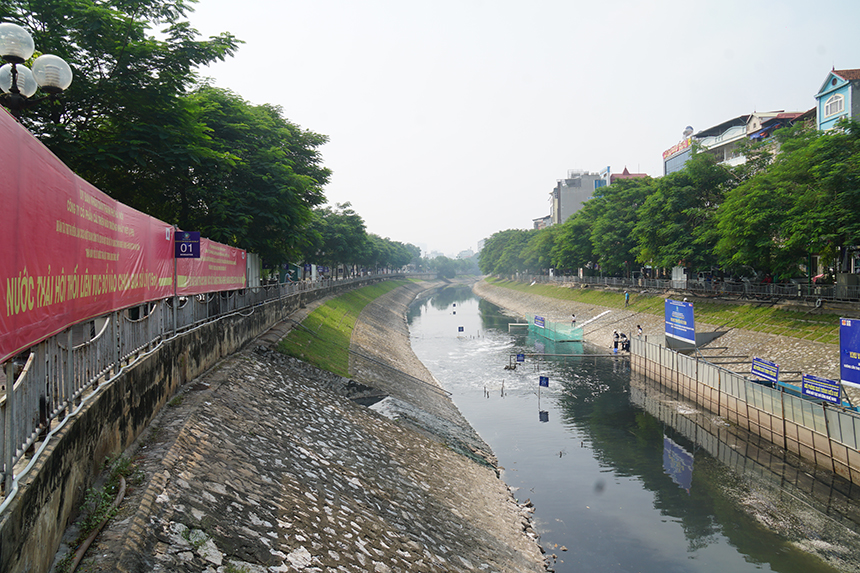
{"x":615,"y":487}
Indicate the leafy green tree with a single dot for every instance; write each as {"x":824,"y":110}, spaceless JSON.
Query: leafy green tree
{"x":677,"y":223}
{"x":504,"y":252}
{"x":572,"y":248}
{"x":336,"y":236}
{"x":616,"y":210}
{"x":123,"y":124}
{"x":804,"y":202}
{"x":538,"y":253}
{"x":259,"y":182}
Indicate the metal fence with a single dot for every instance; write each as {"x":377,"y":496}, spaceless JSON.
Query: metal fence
{"x":57,"y":375}
{"x":728,"y":289}
{"x":838,"y":424}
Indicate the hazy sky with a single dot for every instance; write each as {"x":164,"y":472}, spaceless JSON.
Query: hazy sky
{"x":450,"y":120}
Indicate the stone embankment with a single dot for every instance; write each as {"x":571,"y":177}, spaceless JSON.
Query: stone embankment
{"x":266,"y":464}
{"x":792,"y":354}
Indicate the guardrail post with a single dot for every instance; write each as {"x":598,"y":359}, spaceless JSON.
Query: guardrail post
{"x":9,"y":442}
{"x":69,"y":372}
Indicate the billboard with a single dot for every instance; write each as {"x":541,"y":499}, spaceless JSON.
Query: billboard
{"x":821,"y":388}
{"x":69,"y":252}
{"x":765,"y":370}
{"x":679,"y":321}
{"x":849,"y":350}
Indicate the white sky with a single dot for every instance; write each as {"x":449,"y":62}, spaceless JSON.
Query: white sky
{"x":450,"y":120}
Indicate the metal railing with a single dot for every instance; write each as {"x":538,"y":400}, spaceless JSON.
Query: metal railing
{"x":59,"y":373}
{"x":707,"y":288}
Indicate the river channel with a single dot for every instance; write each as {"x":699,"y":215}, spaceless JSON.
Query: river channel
{"x":615,"y":486}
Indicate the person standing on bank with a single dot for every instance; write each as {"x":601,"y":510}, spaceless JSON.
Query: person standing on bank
{"x":615,"y":341}
{"x":626,"y":298}
{"x":573,"y":319}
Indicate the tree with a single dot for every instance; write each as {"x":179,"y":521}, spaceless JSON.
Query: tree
{"x":123,"y":124}
{"x":677,"y":224}
{"x":538,"y":253}
{"x":503,"y":252}
{"x":257,"y":185}
{"x":616,"y":210}
{"x":572,"y":248}
{"x":804,"y":202}
{"x":336,"y":236}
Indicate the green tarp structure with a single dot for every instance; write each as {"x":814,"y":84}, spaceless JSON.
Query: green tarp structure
{"x":556,"y":331}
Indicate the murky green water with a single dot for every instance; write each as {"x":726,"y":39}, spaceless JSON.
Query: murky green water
{"x":615,"y":486}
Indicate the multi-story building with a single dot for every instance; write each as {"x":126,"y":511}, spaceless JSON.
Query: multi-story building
{"x":838,"y":97}
{"x":570,"y":193}
{"x":542,"y":222}
{"x":722,"y":140}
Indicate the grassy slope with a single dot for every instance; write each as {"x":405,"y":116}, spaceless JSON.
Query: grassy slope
{"x":760,"y":318}
{"x":327,"y":345}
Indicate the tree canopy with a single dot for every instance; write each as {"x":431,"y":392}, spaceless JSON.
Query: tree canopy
{"x":796,"y":196}
{"x":137,"y":123}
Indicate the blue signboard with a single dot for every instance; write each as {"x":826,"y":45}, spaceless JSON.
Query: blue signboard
{"x":521,"y":357}
{"x":540,"y":322}
{"x":187,"y":245}
{"x":543,"y":416}
{"x":849,"y":350}
{"x":766,"y":370}
{"x":544,"y":381}
{"x":821,"y":388}
{"x":459,"y":329}
{"x":679,"y":321}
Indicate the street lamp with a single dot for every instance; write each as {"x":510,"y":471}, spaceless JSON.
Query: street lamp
{"x":17,"y":82}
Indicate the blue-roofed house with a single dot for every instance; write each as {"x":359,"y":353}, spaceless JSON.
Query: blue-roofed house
{"x":838,"y":97}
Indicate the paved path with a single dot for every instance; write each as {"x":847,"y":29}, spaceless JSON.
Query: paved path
{"x":267,"y":465}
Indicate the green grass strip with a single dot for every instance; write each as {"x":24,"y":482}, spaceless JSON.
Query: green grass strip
{"x":326,"y":346}
{"x":758,"y":318}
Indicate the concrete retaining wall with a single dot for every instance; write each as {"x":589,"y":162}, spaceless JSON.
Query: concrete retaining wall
{"x":812,"y":440}
{"x":51,"y":493}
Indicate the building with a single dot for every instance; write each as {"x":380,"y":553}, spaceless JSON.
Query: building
{"x":570,"y":193}
{"x":542,"y":222}
{"x":723,"y":140}
{"x":625,"y":175}
{"x":839,"y":97}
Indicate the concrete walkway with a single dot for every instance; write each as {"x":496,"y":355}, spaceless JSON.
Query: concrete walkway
{"x":265,"y":464}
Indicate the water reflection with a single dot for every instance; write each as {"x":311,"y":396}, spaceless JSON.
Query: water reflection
{"x":623,"y":476}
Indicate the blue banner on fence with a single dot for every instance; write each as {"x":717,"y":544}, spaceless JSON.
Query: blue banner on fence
{"x":821,"y":388}
{"x":540,"y":322}
{"x":679,"y":321}
{"x":766,"y":370}
{"x":849,"y":350}
{"x":544,"y":381}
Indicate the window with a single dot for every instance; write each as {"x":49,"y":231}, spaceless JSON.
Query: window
{"x":834,"y":105}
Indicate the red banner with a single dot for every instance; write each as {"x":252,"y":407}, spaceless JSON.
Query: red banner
{"x":219,"y":268}
{"x":68,"y":252}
